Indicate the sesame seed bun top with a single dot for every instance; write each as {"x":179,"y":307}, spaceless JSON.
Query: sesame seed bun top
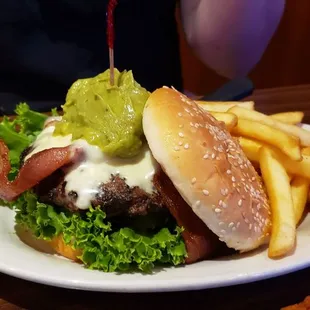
{"x":208,"y":168}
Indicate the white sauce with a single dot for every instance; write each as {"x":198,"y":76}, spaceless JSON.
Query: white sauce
{"x":46,"y":140}
{"x":85,"y":177}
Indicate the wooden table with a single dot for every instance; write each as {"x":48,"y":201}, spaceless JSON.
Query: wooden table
{"x":268,"y":294}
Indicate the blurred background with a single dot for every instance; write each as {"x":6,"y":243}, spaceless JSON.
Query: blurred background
{"x":285,"y":63}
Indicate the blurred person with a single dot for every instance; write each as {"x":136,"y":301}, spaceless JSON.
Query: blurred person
{"x":45,"y":45}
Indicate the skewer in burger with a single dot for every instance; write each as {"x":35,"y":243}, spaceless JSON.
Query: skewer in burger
{"x":125,"y":179}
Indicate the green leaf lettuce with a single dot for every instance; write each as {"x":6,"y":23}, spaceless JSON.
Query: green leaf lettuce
{"x":102,"y":248}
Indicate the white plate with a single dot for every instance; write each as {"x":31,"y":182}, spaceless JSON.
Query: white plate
{"x":19,"y":260}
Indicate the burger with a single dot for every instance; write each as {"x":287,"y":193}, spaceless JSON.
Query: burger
{"x":125,"y":179}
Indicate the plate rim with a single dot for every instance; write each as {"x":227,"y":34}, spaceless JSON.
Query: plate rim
{"x":160,"y":286}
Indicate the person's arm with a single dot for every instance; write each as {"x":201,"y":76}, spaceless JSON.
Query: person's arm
{"x":230,"y":36}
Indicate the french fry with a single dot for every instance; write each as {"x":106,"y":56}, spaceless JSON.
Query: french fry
{"x":305,"y":151}
{"x":224,"y":106}
{"x":292,"y":118}
{"x":230,"y":120}
{"x":250,"y":148}
{"x":300,"y":133}
{"x":261,"y":132}
{"x":300,"y":190}
{"x":300,"y":168}
{"x":278,"y":188}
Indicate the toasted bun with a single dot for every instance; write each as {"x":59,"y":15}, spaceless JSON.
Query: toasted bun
{"x":208,"y":168}
{"x":59,"y":246}
{"x":55,"y":246}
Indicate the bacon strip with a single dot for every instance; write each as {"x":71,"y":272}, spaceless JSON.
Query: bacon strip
{"x":36,"y":168}
{"x":200,"y":242}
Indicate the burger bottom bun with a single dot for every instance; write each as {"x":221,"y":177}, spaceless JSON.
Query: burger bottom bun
{"x":63,"y":249}
{"x":55,"y":246}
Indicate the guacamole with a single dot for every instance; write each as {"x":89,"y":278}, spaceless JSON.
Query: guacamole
{"x":109,"y":117}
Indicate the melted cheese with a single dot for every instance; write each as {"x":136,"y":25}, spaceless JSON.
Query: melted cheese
{"x":85,"y":177}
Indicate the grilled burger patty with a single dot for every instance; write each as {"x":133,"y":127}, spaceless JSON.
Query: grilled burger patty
{"x":123,"y":205}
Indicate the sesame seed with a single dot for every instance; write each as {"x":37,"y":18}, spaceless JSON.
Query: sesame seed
{"x":213,"y":156}
{"x":220,"y":203}
{"x":217,"y":158}
{"x":221,"y":223}
{"x":250,"y":226}
{"x":196,"y":204}
{"x":240,"y":203}
{"x":228,"y":171}
{"x":217,"y":210}
{"x":223,"y":231}
{"x":180,"y":143}
{"x":205,"y":192}
{"x":253,"y":178}
{"x":180,"y":114}
{"x":258,"y":206}
{"x":224,"y":205}
{"x":231,"y":224}
{"x":181,"y":126}
{"x":186,"y":146}
{"x":233,"y":179}
{"x":176,"y":148}
{"x":223,"y":191}
{"x":206,"y":156}
{"x":181,"y":134}
{"x":238,"y":224}
{"x":192,"y":124}
{"x":194,"y":180}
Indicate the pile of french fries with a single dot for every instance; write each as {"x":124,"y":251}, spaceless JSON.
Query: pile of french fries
{"x":280,"y":150}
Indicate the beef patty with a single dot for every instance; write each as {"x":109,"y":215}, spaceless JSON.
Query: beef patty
{"x":123,"y":205}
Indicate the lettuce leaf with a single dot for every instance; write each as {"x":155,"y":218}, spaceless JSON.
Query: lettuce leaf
{"x":18,"y":133}
{"x":102,"y":247}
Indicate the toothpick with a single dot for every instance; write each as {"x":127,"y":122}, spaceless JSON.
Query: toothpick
{"x":111,"y":58}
